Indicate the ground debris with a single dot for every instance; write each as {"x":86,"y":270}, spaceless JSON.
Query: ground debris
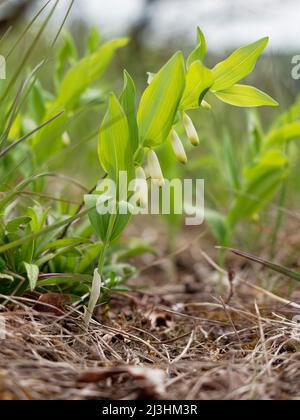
{"x":144,"y":348}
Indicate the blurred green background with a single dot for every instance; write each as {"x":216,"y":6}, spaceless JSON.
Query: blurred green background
{"x":157,"y":28}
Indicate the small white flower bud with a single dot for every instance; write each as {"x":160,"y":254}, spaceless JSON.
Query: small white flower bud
{"x":178,"y":147}
{"x":205,"y":105}
{"x":191,"y":130}
{"x":141,"y":187}
{"x":66,"y":139}
{"x":155,"y":169}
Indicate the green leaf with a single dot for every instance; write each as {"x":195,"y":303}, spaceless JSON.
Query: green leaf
{"x":38,"y":102}
{"x":46,"y":230}
{"x":67,"y":52}
{"x":200,"y":52}
{"x":136,"y":251}
{"x":114,"y":147}
{"x":87,"y":71}
{"x":100,"y":222}
{"x":160,"y":101}
{"x":63,"y":243}
{"x":89,"y":257}
{"x":38,"y":217}
{"x":32,"y":274}
{"x":128,"y":102}
{"x":199,"y":80}
{"x":262,"y":180}
{"x":217,"y":223}
{"x":239,"y":65}
{"x":231,"y":162}
{"x":280,"y":136}
{"x":121,"y":222}
{"x":15,"y":224}
{"x":94,"y":39}
{"x":69,"y":280}
{"x":256,"y":135}
{"x":245,"y":96}
{"x":48,"y":141}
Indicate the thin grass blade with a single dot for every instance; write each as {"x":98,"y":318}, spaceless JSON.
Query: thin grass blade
{"x":274,"y":267}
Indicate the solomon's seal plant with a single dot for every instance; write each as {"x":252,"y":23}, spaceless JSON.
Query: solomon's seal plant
{"x":129,"y":136}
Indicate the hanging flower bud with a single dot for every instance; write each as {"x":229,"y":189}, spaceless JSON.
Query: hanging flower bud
{"x":147,"y":171}
{"x":178,"y":147}
{"x":191,"y":130}
{"x":205,"y":105}
{"x":141,"y":187}
{"x":155,"y":169}
{"x":66,"y":139}
{"x":140,"y":173}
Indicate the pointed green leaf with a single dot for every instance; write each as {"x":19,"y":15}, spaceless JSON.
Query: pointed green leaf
{"x":67,"y":53}
{"x":88,"y":258}
{"x":160,"y":102}
{"x":121,"y":222}
{"x":15,"y":224}
{"x":256,"y":134}
{"x":32,"y":274}
{"x":230,"y":156}
{"x":262,"y":180}
{"x":101,"y":222}
{"x":282,"y":135}
{"x":114,"y":148}
{"x":245,"y":96}
{"x":217,"y":223}
{"x":97,"y":220}
{"x":46,"y":230}
{"x":128,"y":102}
{"x":94,"y":39}
{"x":87,"y":71}
{"x":239,"y":65}
{"x":38,"y":102}
{"x":63,"y":243}
{"x":200,"y":51}
{"x":48,"y":141}
{"x":198,"y":81}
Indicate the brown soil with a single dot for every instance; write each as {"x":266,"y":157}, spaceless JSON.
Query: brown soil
{"x":190,"y":335}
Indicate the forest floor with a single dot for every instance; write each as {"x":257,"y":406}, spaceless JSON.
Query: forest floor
{"x":193,"y":333}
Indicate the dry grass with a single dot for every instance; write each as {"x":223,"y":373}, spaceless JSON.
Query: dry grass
{"x":186,"y":342}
